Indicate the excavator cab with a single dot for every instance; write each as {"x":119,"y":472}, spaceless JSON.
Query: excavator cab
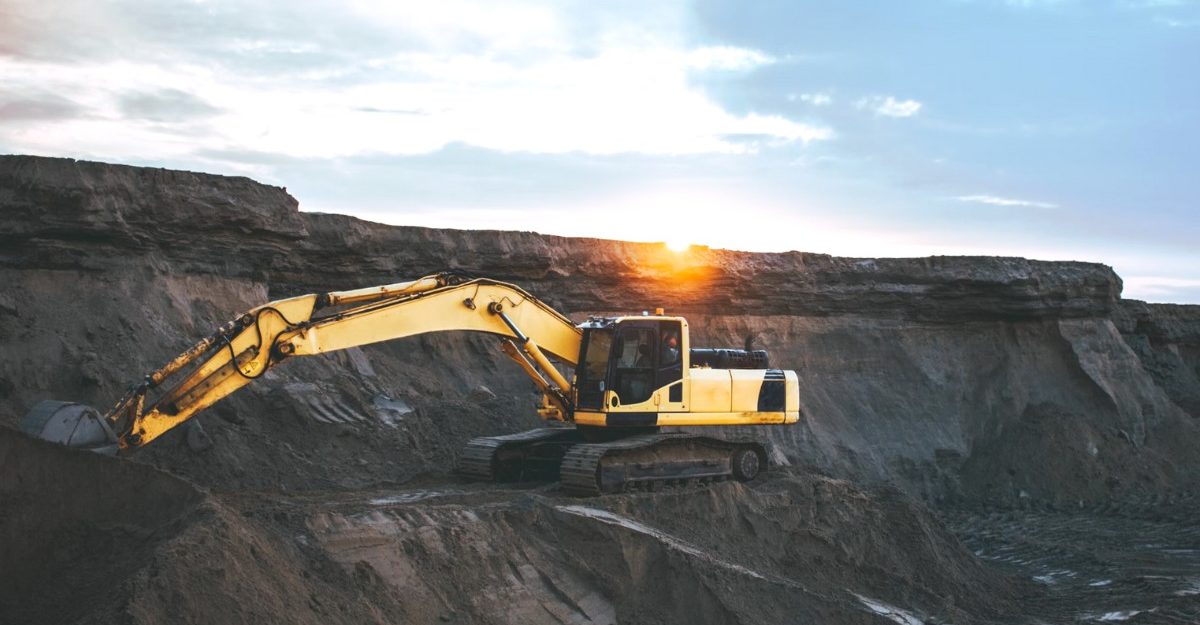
{"x":624,"y":361}
{"x":643,"y":372}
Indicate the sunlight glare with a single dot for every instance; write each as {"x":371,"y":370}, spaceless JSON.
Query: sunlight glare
{"x":677,"y":245}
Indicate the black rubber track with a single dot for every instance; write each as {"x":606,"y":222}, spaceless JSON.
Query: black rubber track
{"x":478,"y":457}
{"x":580,"y":471}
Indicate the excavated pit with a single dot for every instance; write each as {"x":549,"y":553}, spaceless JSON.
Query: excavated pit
{"x":972,"y":428}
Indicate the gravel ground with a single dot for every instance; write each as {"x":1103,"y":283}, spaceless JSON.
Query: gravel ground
{"x":1131,"y":563}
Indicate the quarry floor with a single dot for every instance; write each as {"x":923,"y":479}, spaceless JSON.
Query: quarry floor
{"x":1133,"y":563}
{"x":91,"y":539}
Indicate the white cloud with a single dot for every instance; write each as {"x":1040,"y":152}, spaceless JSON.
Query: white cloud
{"x":994,"y":200}
{"x":1160,"y":288}
{"x":1035,"y":3}
{"x":727,"y":58}
{"x":1170,"y":22}
{"x":815,"y":99}
{"x":889,"y":106}
{"x":1154,"y":4}
{"x":392,"y":78}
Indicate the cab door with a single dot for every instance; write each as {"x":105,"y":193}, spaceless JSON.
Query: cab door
{"x":633,"y":363}
{"x":648,"y":361}
{"x":669,"y":367}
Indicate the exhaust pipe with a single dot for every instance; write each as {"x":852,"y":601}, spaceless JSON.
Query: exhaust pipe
{"x":73,"y":425}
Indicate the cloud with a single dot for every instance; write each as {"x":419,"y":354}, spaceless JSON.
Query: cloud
{"x":1170,"y":22}
{"x":312,"y":79}
{"x":16,"y":108}
{"x":814,"y":99}
{"x":994,"y":200}
{"x":889,"y":106}
{"x":727,"y":58}
{"x":164,"y":105}
{"x":1025,"y":4}
{"x":1160,"y":288}
{"x":1154,"y":4}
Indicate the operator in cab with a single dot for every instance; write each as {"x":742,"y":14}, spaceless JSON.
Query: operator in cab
{"x":670,"y":348}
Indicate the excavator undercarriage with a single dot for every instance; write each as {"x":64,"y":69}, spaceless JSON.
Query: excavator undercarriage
{"x":591,"y":461}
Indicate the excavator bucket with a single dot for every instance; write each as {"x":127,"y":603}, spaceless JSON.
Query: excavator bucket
{"x":73,"y":425}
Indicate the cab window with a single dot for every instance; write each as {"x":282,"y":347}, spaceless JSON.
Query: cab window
{"x":595,"y":363}
{"x":635,"y":366}
{"x":592,"y":371}
{"x":670,"y":358}
{"x":637,"y":348}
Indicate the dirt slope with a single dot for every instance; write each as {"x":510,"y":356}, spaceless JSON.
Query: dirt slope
{"x":117,"y":542}
{"x":92,"y":539}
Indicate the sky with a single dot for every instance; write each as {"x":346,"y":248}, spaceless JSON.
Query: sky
{"x":1050,"y":129}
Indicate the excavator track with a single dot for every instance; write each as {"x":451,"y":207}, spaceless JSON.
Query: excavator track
{"x":652,"y":460}
{"x":532,"y":454}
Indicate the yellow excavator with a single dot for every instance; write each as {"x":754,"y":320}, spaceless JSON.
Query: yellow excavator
{"x":630,"y":376}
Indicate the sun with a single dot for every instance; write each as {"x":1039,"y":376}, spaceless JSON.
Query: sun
{"x":677,"y":245}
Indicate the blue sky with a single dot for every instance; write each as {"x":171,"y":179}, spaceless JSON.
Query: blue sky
{"x":1053,"y":129}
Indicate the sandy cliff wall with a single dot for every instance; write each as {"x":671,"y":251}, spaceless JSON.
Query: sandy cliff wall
{"x":993,"y":378}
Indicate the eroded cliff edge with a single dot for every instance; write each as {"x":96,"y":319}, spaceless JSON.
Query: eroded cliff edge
{"x":992,"y":379}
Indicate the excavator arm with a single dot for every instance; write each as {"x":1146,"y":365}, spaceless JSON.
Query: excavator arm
{"x":244,"y":349}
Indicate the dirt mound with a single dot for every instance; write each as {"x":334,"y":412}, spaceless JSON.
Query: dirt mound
{"x":93,"y":539}
{"x":796,"y":548}
{"x":75,"y":526}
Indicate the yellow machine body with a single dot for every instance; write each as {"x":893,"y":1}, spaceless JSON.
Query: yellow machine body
{"x":701,"y":395}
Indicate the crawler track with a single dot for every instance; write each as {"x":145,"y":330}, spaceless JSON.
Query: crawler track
{"x":533,"y":454}
{"x":651,"y":460}
{"x":625,"y":463}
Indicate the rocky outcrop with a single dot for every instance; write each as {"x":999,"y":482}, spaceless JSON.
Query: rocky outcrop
{"x":1166,"y":337}
{"x":976,"y":377}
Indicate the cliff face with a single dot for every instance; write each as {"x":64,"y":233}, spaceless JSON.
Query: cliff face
{"x":1166,"y":338}
{"x":62,"y":214}
{"x":988,"y":378}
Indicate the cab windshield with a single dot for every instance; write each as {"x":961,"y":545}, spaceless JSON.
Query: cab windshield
{"x":595,"y":361}
{"x":593,"y":368}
